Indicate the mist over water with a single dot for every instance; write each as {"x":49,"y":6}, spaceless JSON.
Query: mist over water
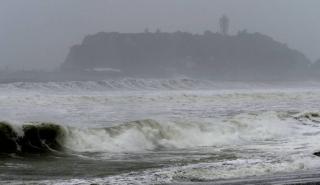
{"x":159,"y":92}
{"x":156,"y":131}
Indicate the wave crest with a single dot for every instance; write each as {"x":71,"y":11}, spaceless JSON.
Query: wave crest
{"x":35,"y":138}
{"x":117,"y":84}
{"x":148,"y":134}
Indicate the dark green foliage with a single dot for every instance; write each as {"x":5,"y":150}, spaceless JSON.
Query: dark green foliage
{"x":212,"y":55}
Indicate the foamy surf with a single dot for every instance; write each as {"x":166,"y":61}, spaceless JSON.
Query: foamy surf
{"x":139,"y":84}
{"x":143,"y":133}
{"x":149,"y":134}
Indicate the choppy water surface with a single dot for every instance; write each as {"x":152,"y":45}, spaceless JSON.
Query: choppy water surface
{"x":136,"y":131}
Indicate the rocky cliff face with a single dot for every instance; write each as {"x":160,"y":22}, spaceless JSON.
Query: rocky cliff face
{"x":212,"y":55}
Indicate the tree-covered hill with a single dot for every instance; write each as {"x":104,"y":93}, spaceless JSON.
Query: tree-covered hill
{"x":243,"y":56}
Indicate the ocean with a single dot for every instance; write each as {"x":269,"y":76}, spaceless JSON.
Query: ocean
{"x":159,"y":131}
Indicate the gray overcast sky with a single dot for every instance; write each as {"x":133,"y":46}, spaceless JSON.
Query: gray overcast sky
{"x":39,"y":33}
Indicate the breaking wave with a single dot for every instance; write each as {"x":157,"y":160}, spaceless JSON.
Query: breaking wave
{"x":114,"y":84}
{"x":147,"y":84}
{"x":144,"y":135}
{"x":30,"y":138}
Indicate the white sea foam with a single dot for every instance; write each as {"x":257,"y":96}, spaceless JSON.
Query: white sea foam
{"x":267,"y":129}
{"x":118,"y":84}
{"x":143,"y":135}
{"x":150,"y":84}
{"x":241,"y":129}
{"x":203,"y":172}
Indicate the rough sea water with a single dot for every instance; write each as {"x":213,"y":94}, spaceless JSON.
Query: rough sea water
{"x":139,"y":131}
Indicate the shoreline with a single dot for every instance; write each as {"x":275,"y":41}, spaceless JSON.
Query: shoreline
{"x":305,"y":177}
